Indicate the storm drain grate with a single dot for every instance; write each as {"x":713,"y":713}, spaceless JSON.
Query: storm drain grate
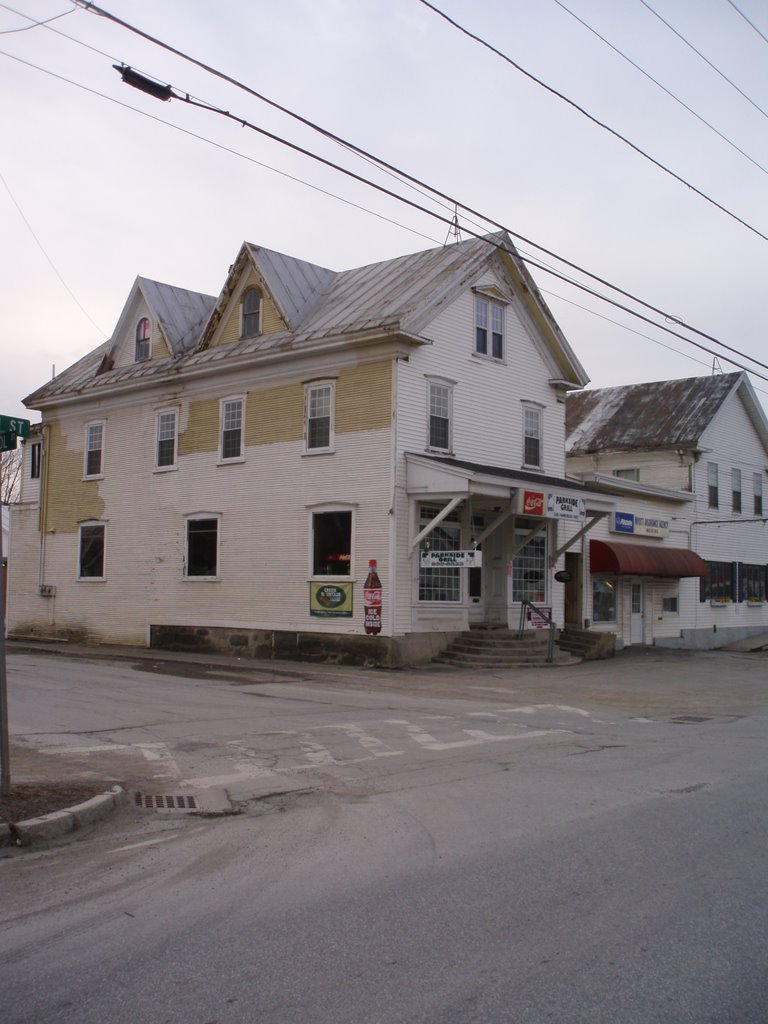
{"x":162,"y":802}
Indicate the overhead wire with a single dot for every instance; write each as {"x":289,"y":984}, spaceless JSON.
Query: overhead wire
{"x":751,"y":23}
{"x":93,"y":8}
{"x":35,"y":24}
{"x":660,"y":85}
{"x":446,"y":220}
{"x":706,"y":60}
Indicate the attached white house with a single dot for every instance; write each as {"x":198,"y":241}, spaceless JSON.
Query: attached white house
{"x":682,"y":560}
{"x":220,"y":473}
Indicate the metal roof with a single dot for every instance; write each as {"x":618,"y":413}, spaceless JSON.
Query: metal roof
{"x":663,"y":414}
{"x":182,"y":314}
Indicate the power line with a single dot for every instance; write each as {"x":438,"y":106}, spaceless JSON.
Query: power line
{"x":660,"y":86}
{"x":454,"y":203}
{"x":53,"y":266}
{"x":581,"y":110}
{"x":414,"y":205}
{"x":35,"y":24}
{"x":754,"y":26}
{"x":706,"y":60}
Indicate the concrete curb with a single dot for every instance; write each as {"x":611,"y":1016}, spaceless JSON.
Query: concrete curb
{"x":59,"y":823}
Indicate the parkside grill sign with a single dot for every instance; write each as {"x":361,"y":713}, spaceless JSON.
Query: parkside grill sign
{"x":557,"y":506}
{"x":639,"y":526}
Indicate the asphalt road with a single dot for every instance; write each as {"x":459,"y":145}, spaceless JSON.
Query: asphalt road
{"x":572,"y":846}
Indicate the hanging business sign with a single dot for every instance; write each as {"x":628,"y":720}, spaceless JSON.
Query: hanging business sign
{"x":532,"y":503}
{"x":451,"y":559}
{"x":329,"y":600}
{"x":638,"y":526}
{"x":563,"y":506}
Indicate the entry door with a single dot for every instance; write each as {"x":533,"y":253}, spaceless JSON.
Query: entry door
{"x":637,"y":613}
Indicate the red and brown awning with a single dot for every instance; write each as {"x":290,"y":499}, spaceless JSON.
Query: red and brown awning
{"x":644,"y":560}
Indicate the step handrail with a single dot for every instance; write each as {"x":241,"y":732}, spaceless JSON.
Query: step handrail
{"x":525,"y":603}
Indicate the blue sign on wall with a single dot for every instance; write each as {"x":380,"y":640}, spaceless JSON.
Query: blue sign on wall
{"x":623,"y":522}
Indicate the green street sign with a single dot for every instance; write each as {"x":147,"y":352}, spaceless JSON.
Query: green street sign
{"x":8,"y":442}
{"x":11,"y":425}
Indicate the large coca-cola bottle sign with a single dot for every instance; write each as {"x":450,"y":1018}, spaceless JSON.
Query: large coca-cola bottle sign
{"x":372,"y":599}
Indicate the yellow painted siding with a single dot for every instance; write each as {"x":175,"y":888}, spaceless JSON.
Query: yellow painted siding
{"x":271,"y":321}
{"x":202,"y":433}
{"x":72,"y":499}
{"x":274,"y":415}
{"x":364,"y":398}
{"x":159,"y":348}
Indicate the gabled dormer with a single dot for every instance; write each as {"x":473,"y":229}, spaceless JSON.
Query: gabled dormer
{"x":158,"y":321}
{"x":265,"y":293}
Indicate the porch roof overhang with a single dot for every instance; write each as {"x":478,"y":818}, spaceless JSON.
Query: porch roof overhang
{"x":448,"y":477}
{"x":644,"y":560}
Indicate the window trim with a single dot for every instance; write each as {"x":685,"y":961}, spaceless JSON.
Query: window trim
{"x":492,"y":305}
{"x":533,"y":407}
{"x":448,"y":386}
{"x":91,"y":425}
{"x":196,"y":517}
{"x":330,"y":509}
{"x":86,"y":524}
{"x":244,"y":315}
{"x":309,"y":388}
{"x":141,"y":338}
{"x":230,"y":400}
{"x":169,"y":466}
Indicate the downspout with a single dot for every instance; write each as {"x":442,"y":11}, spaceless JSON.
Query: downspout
{"x":392,"y":559}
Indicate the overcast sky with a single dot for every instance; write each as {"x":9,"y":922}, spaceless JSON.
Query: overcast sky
{"x":111,"y":192}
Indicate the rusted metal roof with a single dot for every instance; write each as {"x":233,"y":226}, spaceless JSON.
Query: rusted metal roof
{"x":644,"y":560}
{"x":663,"y":414}
{"x":182,"y":314}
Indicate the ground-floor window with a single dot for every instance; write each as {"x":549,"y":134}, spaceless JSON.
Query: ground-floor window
{"x":753,"y":582}
{"x":91,"y":551}
{"x":332,"y":543}
{"x":670,"y":605}
{"x":529,"y":568}
{"x":440,"y":584}
{"x":604,"y":604}
{"x":202,"y":547}
{"x":719,"y":584}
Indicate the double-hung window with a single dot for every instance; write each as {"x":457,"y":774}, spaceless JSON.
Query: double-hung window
{"x":757,"y":485}
{"x":440,"y":415}
{"x":713,"y":495}
{"x":232,"y":423}
{"x":251,"y":313}
{"x":165,"y":456}
{"x":489,"y":328}
{"x":90,"y":559}
{"x":35,"y":460}
{"x":319,"y":403}
{"x":93,"y":465}
{"x":202,"y":546}
{"x":532,"y":436}
{"x":736,"y":490}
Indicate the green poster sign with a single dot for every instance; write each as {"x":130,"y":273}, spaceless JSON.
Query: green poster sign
{"x":330,"y":599}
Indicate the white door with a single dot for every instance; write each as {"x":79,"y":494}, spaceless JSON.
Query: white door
{"x":637,"y":614}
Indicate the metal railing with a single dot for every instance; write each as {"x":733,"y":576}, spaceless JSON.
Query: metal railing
{"x":529,"y":605}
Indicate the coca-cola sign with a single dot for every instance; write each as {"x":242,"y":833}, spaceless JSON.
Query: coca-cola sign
{"x":533,"y":503}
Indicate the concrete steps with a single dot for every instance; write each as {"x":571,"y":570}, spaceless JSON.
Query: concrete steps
{"x":501,"y":648}
{"x":587,"y":644}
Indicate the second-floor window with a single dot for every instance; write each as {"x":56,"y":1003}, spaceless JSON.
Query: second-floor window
{"x":319,"y":417}
{"x":627,"y":474}
{"x":166,"y":439}
{"x":35,"y":460}
{"x":440,"y":416}
{"x":94,"y":449}
{"x":232,"y":428}
{"x":736,"y":489}
{"x":713,"y":495}
{"x":489,"y":328}
{"x":532,"y":430}
{"x":143,"y":335}
{"x":758,"y":493}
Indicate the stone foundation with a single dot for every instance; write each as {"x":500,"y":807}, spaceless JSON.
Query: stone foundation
{"x":331,"y":648}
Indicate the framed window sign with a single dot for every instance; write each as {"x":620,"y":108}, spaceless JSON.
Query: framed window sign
{"x":330,"y":600}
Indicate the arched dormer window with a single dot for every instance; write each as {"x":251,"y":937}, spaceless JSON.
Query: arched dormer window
{"x":143,"y":333}
{"x":251,"y":313}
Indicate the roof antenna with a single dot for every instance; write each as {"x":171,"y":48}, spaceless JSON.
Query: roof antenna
{"x":454,"y":228}
{"x":716,"y":367}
